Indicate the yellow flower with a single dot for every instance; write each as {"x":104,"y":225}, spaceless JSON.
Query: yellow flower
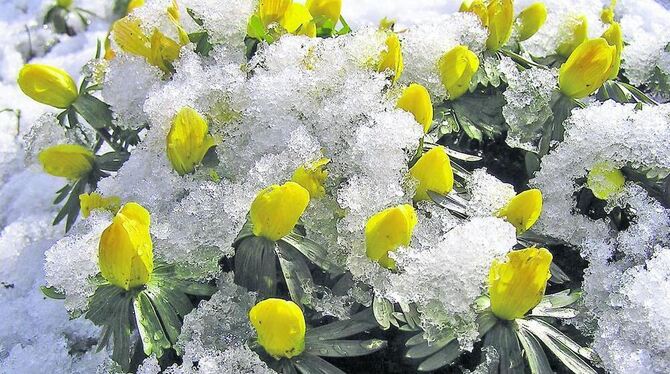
{"x":134,"y":4}
{"x":280,"y":326}
{"x":64,"y":3}
{"x":298,"y":21}
{"x":391,"y":58}
{"x":312,"y":177}
{"x":576,"y":30}
{"x":173,"y":15}
{"x":607,"y":14}
{"x":48,"y":85}
{"x":95,"y":201}
{"x":416,"y":100}
{"x":517,"y":285}
{"x":271,"y":11}
{"x":457,"y":67}
{"x":587,"y":68}
{"x":125,"y":253}
{"x":69,"y":161}
{"x":276,"y":210}
{"x":523,"y":210}
{"x":605,"y":180}
{"x":158,"y":50}
{"x":388,"y":230}
{"x":433,"y":171}
{"x":478,"y":8}
{"x":531,"y":19}
{"x":614,"y":37}
{"x":501,"y":19}
{"x":325,"y":10}
{"x":188,"y":141}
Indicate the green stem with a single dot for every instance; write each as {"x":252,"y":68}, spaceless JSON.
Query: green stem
{"x":639,"y":94}
{"x":521,"y":60}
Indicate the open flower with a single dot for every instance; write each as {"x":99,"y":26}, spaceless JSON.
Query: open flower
{"x":575,"y":32}
{"x":125,"y":253}
{"x":531,"y":19}
{"x":478,"y":8}
{"x":95,"y":201}
{"x":523,"y":210}
{"x":501,"y":19}
{"x":312,"y":177}
{"x":157,"y":49}
{"x":298,"y":21}
{"x":517,"y":285}
{"x":325,"y":11}
{"x":280,"y":326}
{"x":457,"y":67}
{"x":434,"y":173}
{"x":69,"y":161}
{"x":391,"y":58}
{"x":416,"y":100}
{"x":614,"y":37}
{"x":388,"y":230}
{"x":605,"y":180}
{"x":48,"y":85}
{"x":276,"y":210}
{"x":587,"y":68}
{"x":188,"y":141}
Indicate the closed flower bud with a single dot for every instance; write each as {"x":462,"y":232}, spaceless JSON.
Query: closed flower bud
{"x":48,"y":85}
{"x":478,"y":8}
{"x":574,"y":32}
{"x":312,"y":177}
{"x":605,"y":180}
{"x":457,"y":67}
{"x":271,"y":11}
{"x":325,"y":10}
{"x":434,"y":173}
{"x":518,"y":284}
{"x":614,"y":37}
{"x":587,"y":68}
{"x":95,"y":201}
{"x":531,"y":19}
{"x":416,"y":100}
{"x":280,"y":326}
{"x":125,"y":253}
{"x":188,"y":141}
{"x":388,"y":230}
{"x":501,"y":19}
{"x":523,"y":210}
{"x":391,"y":58}
{"x":69,"y":161}
{"x":298,"y":21}
{"x":276,"y":210}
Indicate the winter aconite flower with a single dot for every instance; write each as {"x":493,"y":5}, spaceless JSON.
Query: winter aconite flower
{"x":587,"y":68}
{"x":457,"y":67}
{"x":575,"y":32}
{"x":416,"y":100}
{"x":276,"y":210}
{"x":48,"y":85}
{"x":434,"y":173}
{"x":523,"y":210}
{"x":69,"y":161}
{"x":531,"y":19}
{"x":478,"y":8}
{"x":188,"y":141}
{"x":125,"y":253}
{"x":388,"y":230}
{"x":280,"y":326}
{"x":95,"y":201}
{"x":325,"y":11}
{"x":298,"y":21}
{"x":501,"y":19}
{"x":391,"y":58}
{"x":271,"y":11}
{"x":614,"y":37}
{"x":517,"y":285}
{"x":605,"y":180}
{"x":157,"y":49}
{"x":134,"y":4}
{"x":607,"y":14}
{"x":312,"y":177}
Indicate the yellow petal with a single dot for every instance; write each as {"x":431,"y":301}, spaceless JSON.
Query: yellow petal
{"x":173,"y":15}
{"x":271,"y":11}
{"x":416,"y":100}
{"x":276,"y":210}
{"x":188,"y":141}
{"x":434,"y":173}
{"x":587,"y":68}
{"x":531,"y":19}
{"x":391,"y":58}
{"x":478,"y":7}
{"x":523,"y":210}
{"x":607,"y":14}
{"x":95,"y":201}
{"x":457,"y":67}
{"x":501,"y":19}
{"x":125,"y":253}
{"x":388,"y":230}
{"x":296,"y":20}
{"x":605,"y":180}
{"x":129,"y":36}
{"x":48,"y":85}
{"x":164,"y":51}
{"x":614,"y":37}
{"x":69,"y":161}
{"x":134,"y":4}
{"x":325,"y":10}
{"x":280,"y":326}
{"x":312,"y":177}
{"x":577,"y":29}
{"x":518,"y":284}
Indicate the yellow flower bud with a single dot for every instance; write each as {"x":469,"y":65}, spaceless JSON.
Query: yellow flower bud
{"x":280,"y":326}
{"x":134,"y":4}
{"x":523,"y":210}
{"x":576,"y":31}
{"x":587,"y":68}
{"x":312,"y":177}
{"x":159,"y":50}
{"x":95,"y":201}
{"x":614,"y":37}
{"x":416,"y":100}
{"x":276,"y":210}
{"x":64,"y":3}
{"x":48,"y":85}
{"x":388,"y":230}
{"x":69,"y":161}
{"x":457,"y":67}
{"x":325,"y":10}
{"x":125,"y":253}
{"x":297,"y":20}
{"x":517,"y":285}
{"x":531,"y":19}
{"x":188,"y":141}
{"x":434,"y":173}
{"x":478,"y":8}
{"x":271,"y":11}
{"x":605,"y":180}
{"x":391,"y":58}
{"x":501,"y":19}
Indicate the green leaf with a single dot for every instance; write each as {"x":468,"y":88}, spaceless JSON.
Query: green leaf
{"x":344,"y":348}
{"x":345,"y":27}
{"x":245,"y":232}
{"x":71,"y":207}
{"x":62,"y":193}
{"x":452,"y":202}
{"x":480,"y":113}
{"x":52,"y":293}
{"x":95,"y":112}
{"x":112,"y":161}
{"x":255,"y":28}
{"x":154,"y":338}
{"x":256,"y":265}
{"x":414,"y":340}
{"x":358,"y":323}
{"x":317,"y":254}
{"x":296,"y":273}
{"x":554,"y":305}
{"x":558,"y":276}
{"x":426,"y":348}
{"x":310,"y":364}
{"x":168,"y":315}
{"x":441,"y":358}
{"x":383,"y":311}
{"x":486,"y":321}
{"x":503,"y":338}
{"x":537,"y":359}
{"x":195,"y":18}
{"x":565,"y":348}
{"x":553,"y":129}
